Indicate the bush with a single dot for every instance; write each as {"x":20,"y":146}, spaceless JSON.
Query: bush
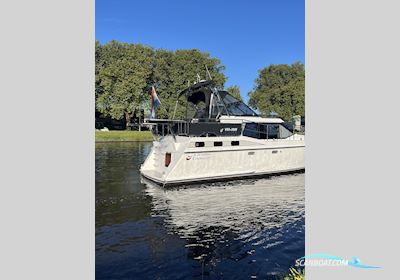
{"x":295,"y":275}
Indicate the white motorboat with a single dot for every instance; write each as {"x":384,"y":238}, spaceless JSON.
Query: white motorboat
{"x":224,"y":139}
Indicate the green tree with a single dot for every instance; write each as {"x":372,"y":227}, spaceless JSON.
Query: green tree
{"x":98,"y":65}
{"x":126,"y":72}
{"x":279,"y":88}
{"x":235,"y":92}
{"x":123,"y":79}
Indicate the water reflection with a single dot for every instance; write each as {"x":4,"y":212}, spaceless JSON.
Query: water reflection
{"x":119,"y":193}
{"x":245,"y":221}
{"x":241,"y":206}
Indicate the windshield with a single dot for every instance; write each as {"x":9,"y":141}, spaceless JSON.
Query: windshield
{"x":234,"y":106}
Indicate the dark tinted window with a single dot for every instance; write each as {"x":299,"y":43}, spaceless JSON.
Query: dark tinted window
{"x":217,"y":144}
{"x":263,"y":131}
{"x":235,"y":143}
{"x":251,"y":130}
{"x":199,"y":144}
{"x":273,"y":131}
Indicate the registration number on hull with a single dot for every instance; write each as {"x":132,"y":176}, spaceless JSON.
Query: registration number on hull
{"x":198,"y":156}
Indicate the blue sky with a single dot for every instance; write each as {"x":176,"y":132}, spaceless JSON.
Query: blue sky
{"x":245,"y":35}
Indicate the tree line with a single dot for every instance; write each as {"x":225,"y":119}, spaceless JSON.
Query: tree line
{"x":125,"y":73}
{"x":279,"y":88}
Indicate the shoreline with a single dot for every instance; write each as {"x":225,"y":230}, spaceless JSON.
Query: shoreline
{"x":116,"y":136}
{"x":121,"y":141}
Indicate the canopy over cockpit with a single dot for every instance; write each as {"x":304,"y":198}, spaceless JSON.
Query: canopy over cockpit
{"x":214,"y":112}
{"x":211,"y":103}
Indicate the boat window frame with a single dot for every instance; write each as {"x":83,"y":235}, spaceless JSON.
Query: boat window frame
{"x":230,"y":104}
{"x":257,"y":133}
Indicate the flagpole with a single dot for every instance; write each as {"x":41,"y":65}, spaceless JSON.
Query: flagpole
{"x":152,"y":102}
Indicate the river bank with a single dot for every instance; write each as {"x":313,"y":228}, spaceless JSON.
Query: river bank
{"x":123,"y":136}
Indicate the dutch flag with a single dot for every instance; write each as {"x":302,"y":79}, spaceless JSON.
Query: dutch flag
{"x":155,"y":102}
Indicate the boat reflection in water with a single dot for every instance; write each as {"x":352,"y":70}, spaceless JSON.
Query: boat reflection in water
{"x":257,"y":224}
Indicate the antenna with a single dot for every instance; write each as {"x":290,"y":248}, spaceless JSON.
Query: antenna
{"x":208,"y":72}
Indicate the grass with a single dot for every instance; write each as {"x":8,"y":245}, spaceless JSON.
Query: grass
{"x":295,"y":275}
{"x":123,"y":135}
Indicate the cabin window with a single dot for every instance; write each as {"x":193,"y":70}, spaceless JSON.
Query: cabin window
{"x":263,"y":131}
{"x":273,"y":131}
{"x":251,"y":130}
{"x":199,"y":144}
{"x":235,"y":143}
{"x":284,"y":132}
{"x":266,"y":131}
{"x":217,"y":144}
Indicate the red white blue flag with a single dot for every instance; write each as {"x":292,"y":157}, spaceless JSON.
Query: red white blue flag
{"x":155,"y":102}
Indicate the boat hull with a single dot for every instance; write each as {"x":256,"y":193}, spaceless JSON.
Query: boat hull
{"x":219,"y":179}
{"x":192,"y":164}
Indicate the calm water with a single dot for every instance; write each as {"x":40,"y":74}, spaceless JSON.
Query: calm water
{"x":248,"y":229}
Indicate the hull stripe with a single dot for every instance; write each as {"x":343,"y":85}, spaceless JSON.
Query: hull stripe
{"x":245,"y":149}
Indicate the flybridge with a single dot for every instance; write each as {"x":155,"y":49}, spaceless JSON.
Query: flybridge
{"x":205,"y":102}
{"x":206,"y":106}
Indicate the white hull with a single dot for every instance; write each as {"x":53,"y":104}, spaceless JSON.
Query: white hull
{"x":252,"y":157}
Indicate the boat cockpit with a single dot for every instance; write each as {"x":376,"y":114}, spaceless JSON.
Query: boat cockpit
{"x":206,"y":103}
{"x":214,"y":112}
